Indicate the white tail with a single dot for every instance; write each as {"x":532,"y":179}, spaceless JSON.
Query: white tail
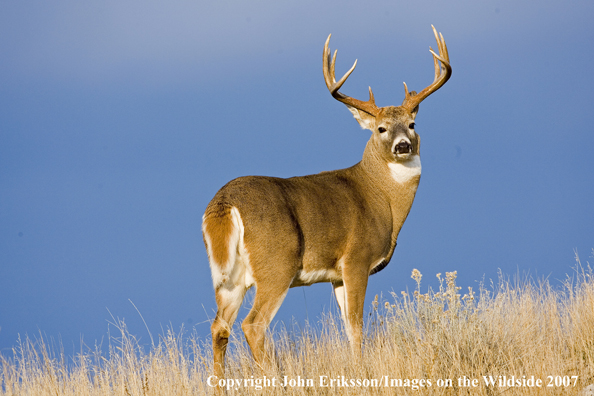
{"x":339,"y":226}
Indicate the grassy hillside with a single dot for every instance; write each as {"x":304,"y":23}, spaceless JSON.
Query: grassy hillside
{"x":515,"y":338}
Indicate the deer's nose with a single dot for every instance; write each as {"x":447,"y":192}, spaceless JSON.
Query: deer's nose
{"x":403,"y":147}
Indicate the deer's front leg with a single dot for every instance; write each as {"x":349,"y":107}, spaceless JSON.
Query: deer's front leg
{"x":354,"y":287}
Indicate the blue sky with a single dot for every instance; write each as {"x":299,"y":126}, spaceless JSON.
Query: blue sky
{"x":119,"y":120}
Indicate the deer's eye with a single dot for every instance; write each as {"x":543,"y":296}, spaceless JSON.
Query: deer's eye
{"x":381,"y":129}
{"x":411,"y":125}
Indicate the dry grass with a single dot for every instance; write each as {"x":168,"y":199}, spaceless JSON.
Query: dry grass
{"x":522,"y":329}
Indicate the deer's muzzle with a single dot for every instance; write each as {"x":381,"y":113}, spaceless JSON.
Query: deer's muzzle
{"x":403,"y":147}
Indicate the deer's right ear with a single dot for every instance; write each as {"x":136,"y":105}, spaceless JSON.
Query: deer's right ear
{"x":366,"y":120}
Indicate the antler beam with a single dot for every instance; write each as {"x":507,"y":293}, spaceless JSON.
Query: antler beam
{"x":333,"y":86}
{"x":442,"y":74}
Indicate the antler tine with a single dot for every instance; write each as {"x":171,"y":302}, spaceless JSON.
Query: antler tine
{"x":442,"y":74}
{"x":436,"y":66}
{"x":333,"y":86}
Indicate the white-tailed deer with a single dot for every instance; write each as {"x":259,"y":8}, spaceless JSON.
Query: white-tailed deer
{"x":339,"y":226}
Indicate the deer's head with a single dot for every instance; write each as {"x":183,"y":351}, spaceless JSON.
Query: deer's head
{"x":393,"y":127}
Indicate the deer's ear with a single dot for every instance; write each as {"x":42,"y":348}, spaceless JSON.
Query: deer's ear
{"x":366,"y":120}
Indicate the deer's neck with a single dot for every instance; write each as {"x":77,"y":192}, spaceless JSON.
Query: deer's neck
{"x":396,"y":182}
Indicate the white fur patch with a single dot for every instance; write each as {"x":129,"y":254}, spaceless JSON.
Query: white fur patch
{"x":315,"y":276}
{"x":366,"y":121}
{"x":340,"y":294}
{"x":404,"y":171}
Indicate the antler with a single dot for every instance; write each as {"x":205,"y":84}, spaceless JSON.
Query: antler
{"x":333,"y":86}
{"x":442,"y":74}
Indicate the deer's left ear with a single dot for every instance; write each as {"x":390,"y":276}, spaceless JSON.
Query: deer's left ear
{"x":366,"y":120}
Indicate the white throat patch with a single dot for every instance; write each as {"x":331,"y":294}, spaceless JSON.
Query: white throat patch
{"x":404,"y":171}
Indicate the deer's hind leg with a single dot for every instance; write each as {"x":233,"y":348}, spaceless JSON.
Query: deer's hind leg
{"x":266,"y":303}
{"x":229,"y":299}
{"x":229,"y":263}
{"x":278,"y":267}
